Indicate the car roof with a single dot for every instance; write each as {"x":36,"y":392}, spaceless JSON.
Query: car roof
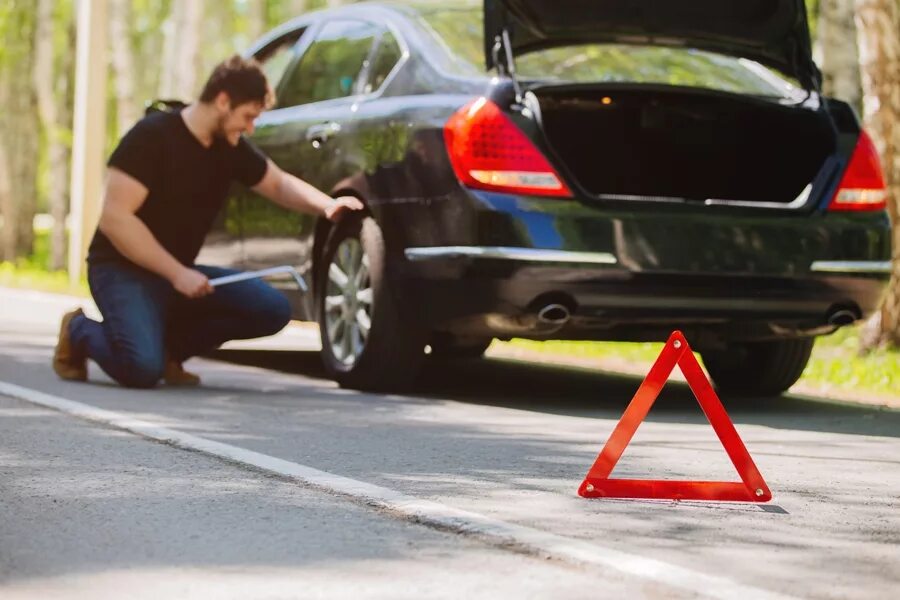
{"x":362,"y":9}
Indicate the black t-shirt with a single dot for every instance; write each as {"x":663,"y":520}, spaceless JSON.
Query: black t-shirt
{"x":187,"y":182}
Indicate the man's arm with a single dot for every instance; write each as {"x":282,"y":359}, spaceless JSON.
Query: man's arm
{"x":131,"y":237}
{"x":295,"y":194}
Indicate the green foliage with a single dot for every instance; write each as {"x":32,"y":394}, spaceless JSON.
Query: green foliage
{"x":812,"y":14}
{"x":33,"y":272}
{"x":18,"y":276}
{"x":835,"y":365}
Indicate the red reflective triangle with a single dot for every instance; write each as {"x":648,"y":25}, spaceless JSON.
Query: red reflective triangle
{"x":597,"y":483}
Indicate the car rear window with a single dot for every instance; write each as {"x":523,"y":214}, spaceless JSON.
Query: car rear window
{"x":461,"y":31}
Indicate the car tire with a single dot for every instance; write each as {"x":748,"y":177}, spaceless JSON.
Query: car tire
{"x":382,"y":348}
{"x":446,"y":346}
{"x":759,"y":368}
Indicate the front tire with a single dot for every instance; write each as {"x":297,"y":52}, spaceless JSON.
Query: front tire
{"x":367,"y":343}
{"x":758,"y":368}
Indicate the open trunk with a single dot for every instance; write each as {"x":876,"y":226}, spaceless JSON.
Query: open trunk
{"x":698,"y":146}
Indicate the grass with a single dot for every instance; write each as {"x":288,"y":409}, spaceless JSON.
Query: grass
{"x":33,"y":272}
{"x":835,"y":364}
{"x":57,"y":282}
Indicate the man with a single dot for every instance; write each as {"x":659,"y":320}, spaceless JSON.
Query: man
{"x":167,"y":180}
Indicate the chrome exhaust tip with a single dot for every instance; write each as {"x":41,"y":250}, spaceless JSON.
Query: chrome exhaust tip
{"x":842,"y":317}
{"x":554,"y":314}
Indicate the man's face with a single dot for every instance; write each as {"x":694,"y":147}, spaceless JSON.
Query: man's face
{"x":236,"y":120}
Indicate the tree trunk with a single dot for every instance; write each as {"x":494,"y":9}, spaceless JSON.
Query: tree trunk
{"x":149,"y":46}
{"x":878,"y":27}
{"x":256,"y":18}
{"x":181,"y":50}
{"x":838,"y":56}
{"x":47,"y":86}
{"x":122,"y":57}
{"x":7,"y":241}
{"x":61,"y":154}
{"x":19,"y":129}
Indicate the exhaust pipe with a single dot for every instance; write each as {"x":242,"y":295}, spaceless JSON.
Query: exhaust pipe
{"x":555,"y":315}
{"x":838,"y":315}
{"x":546,"y":320}
{"x":841,"y":317}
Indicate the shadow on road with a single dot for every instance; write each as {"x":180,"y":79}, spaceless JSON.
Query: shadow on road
{"x":555,"y":389}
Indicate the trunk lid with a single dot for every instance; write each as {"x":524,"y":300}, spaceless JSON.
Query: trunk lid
{"x":771,"y":32}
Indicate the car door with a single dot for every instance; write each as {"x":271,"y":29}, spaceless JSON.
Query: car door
{"x":305,"y":134}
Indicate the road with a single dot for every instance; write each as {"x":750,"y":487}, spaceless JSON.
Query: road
{"x":271,"y":482}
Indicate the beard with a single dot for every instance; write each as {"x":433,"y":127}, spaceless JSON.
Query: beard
{"x":220,"y":132}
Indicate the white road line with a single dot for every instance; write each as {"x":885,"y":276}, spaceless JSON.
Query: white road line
{"x":426,"y":512}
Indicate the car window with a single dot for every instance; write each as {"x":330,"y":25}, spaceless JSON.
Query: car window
{"x":276,"y":57}
{"x":461,"y":33}
{"x":330,"y":66}
{"x":650,"y":64}
{"x":387,"y":55}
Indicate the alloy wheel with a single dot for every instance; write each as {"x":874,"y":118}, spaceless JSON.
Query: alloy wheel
{"x":348,"y":302}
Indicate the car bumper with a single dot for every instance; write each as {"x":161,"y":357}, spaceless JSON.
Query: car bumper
{"x":482,"y":263}
{"x":499,"y":291}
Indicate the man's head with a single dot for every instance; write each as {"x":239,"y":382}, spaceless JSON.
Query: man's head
{"x":239,"y":92}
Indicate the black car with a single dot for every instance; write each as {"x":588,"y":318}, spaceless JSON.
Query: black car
{"x":596,"y":170}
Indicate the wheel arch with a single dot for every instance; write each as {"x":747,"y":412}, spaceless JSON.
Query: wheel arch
{"x":323,"y":229}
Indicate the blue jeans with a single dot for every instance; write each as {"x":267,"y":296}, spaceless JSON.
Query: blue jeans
{"x":144,"y":318}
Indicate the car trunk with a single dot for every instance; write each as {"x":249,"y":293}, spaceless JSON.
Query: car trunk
{"x":699,"y":146}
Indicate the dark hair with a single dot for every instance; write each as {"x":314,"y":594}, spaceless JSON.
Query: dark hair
{"x":242,"y":79}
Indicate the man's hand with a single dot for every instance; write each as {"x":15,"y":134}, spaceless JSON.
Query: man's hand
{"x":192,"y":284}
{"x":341,"y":205}
{"x":293,"y":193}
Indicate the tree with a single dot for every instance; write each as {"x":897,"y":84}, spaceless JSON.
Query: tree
{"x":122,"y":58}
{"x":5,"y":198}
{"x":19,"y":129}
{"x":878,"y":29}
{"x":54,"y":41}
{"x":256,"y":18}
{"x":838,"y":57}
{"x":148,"y":20}
{"x":280,"y":11}
{"x":181,"y":50}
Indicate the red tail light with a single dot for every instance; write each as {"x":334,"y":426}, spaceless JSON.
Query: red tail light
{"x":862,"y":187}
{"x":489,"y":152}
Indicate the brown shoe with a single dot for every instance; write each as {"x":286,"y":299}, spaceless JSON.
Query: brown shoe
{"x":64,"y":362}
{"x":174,"y":374}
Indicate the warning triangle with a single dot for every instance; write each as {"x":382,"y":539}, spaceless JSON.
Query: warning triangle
{"x":597,"y":483}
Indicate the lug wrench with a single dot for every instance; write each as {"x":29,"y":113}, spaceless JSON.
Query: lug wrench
{"x":301,"y":283}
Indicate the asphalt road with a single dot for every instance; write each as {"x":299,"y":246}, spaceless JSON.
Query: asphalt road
{"x":90,"y":509}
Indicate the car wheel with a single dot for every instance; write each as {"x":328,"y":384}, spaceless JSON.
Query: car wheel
{"x":367,"y":343}
{"x":445,"y":346}
{"x":760,"y":368}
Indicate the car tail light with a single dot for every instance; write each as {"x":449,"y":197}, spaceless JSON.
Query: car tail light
{"x":862,"y":187}
{"x":489,"y":152}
